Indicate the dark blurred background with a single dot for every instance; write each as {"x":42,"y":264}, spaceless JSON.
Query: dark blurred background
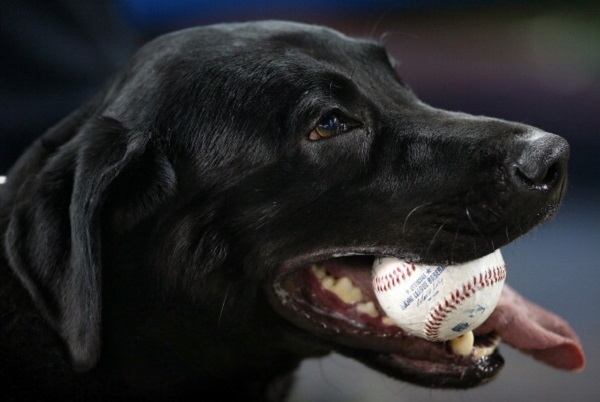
{"x":536,"y":62}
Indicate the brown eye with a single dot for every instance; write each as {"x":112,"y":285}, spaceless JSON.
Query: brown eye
{"x":331,"y":124}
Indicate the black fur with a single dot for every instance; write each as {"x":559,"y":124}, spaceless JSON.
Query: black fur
{"x":142,"y":234}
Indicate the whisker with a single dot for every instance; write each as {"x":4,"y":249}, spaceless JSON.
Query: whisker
{"x":472,"y":221}
{"x":493,"y":212}
{"x":434,"y":236}
{"x":410,"y":214}
{"x":223,"y":304}
{"x":375,"y":27}
{"x":383,"y":37}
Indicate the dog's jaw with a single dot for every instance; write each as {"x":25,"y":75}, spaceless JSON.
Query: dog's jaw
{"x":348,"y":318}
{"x":333,"y":300}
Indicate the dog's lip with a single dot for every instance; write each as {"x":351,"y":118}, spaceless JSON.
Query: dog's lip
{"x":463,"y":372}
{"x":392,"y":351}
{"x":304,"y":259}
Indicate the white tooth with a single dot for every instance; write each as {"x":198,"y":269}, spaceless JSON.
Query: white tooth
{"x":387,"y":321}
{"x":342,"y":287}
{"x":463,"y":345}
{"x":482,"y":351}
{"x":328,"y":282}
{"x":319,"y":271}
{"x":355,"y":295}
{"x":479,"y":352}
{"x":344,"y":284}
{"x":345,"y":290}
{"x":368,"y":309}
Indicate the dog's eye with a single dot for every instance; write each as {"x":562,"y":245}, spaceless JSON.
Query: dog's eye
{"x":330,"y":125}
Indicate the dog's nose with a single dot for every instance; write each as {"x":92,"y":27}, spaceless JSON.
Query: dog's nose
{"x":540,"y":161}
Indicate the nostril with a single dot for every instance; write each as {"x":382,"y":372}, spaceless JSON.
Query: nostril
{"x":540,"y":178}
{"x":542,"y":161}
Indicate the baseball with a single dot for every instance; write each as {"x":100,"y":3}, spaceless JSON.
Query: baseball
{"x":439,"y":303}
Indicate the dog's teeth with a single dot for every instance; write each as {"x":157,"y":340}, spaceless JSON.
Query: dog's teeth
{"x":328,"y":282}
{"x":319,"y":271}
{"x":342,"y":287}
{"x":483,"y":351}
{"x":345,"y":290}
{"x":368,"y":309}
{"x":463,"y":345}
{"x":387,"y":321}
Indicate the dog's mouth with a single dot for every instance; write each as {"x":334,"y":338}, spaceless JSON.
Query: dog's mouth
{"x":333,"y":299}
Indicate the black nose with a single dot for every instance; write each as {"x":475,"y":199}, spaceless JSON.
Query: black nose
{"x":540,"y":162}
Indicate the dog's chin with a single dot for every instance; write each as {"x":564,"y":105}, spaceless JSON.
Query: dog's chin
{"x":332,"y":298}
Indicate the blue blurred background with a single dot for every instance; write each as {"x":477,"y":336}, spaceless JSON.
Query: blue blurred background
{"x":536,"y":62}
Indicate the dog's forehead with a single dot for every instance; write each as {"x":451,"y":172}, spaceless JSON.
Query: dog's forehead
{"x":229,"y":59}
{"x":291,"y":34}
{"x":277,"y":38}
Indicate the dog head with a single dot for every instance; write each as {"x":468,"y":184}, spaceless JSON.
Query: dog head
{"x":223,"y":162}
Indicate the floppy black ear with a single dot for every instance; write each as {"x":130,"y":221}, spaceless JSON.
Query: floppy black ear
{"x":54,"y":236}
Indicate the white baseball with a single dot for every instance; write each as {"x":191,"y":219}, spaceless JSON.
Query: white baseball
{"x":439,"y":303}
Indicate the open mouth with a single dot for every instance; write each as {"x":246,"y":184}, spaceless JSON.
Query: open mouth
{"x":334,"y":299}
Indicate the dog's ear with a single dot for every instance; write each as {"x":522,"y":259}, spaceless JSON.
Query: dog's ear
{"x":53,"y":240}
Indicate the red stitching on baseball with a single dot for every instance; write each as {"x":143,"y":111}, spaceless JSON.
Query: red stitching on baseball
{"x":383,"y":283}
{"x":439,"y":313}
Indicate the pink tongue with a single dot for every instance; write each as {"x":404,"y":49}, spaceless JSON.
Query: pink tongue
{"x":535,"y":331}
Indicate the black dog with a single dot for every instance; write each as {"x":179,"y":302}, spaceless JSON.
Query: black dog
{"x":158,"y":242}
